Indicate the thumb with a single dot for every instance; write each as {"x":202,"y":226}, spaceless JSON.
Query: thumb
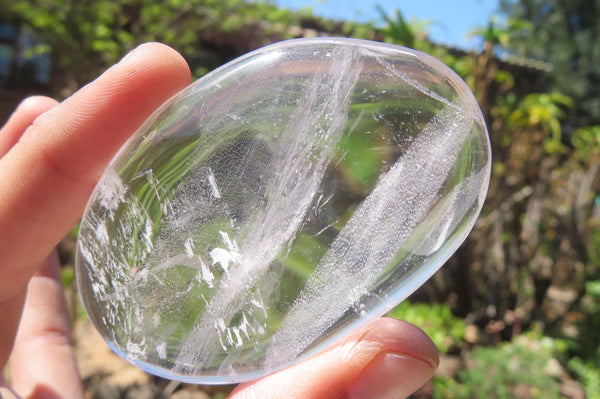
{"x":386,"y":359}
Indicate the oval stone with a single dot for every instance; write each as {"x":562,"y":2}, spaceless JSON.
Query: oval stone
{"x":277,"y":204}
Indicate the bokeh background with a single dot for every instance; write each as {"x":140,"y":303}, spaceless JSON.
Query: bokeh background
{"x":516,"y":312}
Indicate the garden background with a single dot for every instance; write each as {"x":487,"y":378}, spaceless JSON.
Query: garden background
{"x":515,"y":313}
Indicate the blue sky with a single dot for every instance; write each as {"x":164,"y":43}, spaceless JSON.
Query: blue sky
{"x":451,"y":20}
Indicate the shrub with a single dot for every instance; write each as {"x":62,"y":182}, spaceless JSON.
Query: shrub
{"x":437,"y":320}
{"x":525,"y":367}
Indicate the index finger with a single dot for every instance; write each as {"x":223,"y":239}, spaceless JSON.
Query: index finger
{"x":49,"y":174}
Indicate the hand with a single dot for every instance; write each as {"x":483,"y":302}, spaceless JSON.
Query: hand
{"x":51,"y":156}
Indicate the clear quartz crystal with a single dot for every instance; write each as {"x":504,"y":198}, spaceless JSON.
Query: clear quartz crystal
{"x":277,"y":204}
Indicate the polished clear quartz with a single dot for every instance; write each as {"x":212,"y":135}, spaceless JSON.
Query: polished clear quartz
{"x":277,"y":204}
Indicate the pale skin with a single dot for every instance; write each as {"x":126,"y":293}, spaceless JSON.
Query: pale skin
{"x":51,"y":156}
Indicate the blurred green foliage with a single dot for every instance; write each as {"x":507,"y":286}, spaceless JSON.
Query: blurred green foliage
{"x":586,"y":142}
{"x":398,"y":30}
{"x":545,"y":110}
{"x":525,"y":367}
{"x":564,"y":33}
{"x":67,"y":276}
{"x":446,"y":330}
{"x":589,"y":374}
{"x":585,"y":348}
{"x":87,"y":36}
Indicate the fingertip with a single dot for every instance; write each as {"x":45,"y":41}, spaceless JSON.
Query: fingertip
{"x":35,"y":104}
{"x":160,"y":57}
{"x":398,"y":336}
{"x":387,"y":356}
{"x":22,"y":117}
{"x":44,"y":339}
{"x":406,"y":360}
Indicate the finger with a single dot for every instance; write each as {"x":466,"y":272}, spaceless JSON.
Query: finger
{"x":10,"y":313}
{"x":7,"y":393}
{"x":386,"y":359}
{"x":42,"y":363}
{"x":49,"y":174}
{"x":21,"y":119}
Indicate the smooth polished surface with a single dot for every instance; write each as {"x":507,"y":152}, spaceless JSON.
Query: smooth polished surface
{"x":277,"y":204}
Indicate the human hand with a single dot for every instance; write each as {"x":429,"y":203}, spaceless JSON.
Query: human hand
{"x":51,"y":156}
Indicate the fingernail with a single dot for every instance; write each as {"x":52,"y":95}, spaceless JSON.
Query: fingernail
{"x":130,"y":55}
{"x":391,"y":376}
{"x":130,"y":62}
{"x":133,"y":54}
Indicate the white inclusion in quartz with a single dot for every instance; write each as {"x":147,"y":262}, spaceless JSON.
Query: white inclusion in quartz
{"x":161,"y":350}
{"x":216,"y":192}
{"x":189,"y":247}
{"x":113,"y":190}
{"x":205,"y":276}
{"x":225,"y":257}
{"x":301,"y":159}
{"x":372,"y":237}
